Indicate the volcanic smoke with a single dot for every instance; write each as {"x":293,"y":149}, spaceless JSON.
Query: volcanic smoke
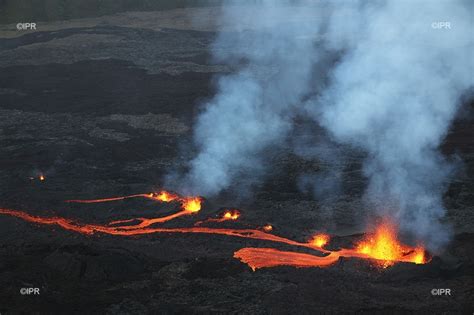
{"x":394,"y":94}
{"x":391,"y":91}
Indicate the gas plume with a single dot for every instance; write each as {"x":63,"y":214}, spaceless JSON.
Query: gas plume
{"x":392,"y":94}
{"x":253,"y":107}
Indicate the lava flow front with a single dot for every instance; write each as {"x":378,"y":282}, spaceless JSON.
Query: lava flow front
{"x":382,"y":247}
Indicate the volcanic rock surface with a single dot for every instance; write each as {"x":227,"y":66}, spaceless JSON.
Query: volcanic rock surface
{"x":105,"y":107}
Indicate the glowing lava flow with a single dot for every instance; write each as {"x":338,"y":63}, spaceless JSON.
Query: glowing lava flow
{"x":189,"y":205}
{"x":270,"y":257}
{"x":163,"y":196}
{"x":109,"y":199}
{"x":228,"y":215}
{"x":383,"y":247}
{"x":62,"y":222}
{"x":144,"y":222}
{"x":143,"y":228}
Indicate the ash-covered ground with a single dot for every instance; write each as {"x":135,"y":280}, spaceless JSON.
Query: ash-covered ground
{"x":105,"y":107}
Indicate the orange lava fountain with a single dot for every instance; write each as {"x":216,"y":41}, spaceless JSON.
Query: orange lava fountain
{"x":320,"y":240}
{"x":191,"y":204}
{"x":383,"y":247}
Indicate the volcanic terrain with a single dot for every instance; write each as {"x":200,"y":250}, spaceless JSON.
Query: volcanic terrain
{"x":104,"y":107}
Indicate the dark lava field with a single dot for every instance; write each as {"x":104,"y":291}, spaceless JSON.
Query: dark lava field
{"x":105,"y":107}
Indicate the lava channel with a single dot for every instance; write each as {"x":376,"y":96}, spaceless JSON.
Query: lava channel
{"x":143,"y":228}
{"x":382,"y":247}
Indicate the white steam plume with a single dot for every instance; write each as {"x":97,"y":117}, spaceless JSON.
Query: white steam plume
{"x":273,"y":46}
{"x":394,"y":94}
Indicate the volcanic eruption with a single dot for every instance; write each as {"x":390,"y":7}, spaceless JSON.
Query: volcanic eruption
{"x":366,"y":95}
{"x":383,"y":246}
{"x":251,"y":157}
{"x":380,"y":111}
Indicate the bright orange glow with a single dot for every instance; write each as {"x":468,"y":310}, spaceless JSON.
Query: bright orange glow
{"x":145,"y":222}
{"x":165,"y":196}
{"x":231,"y":215}
{"x":385,"y":247}
{"x":226,"y":216}
{"x":143,"y":227}
{"x":267,"y":228}
{"x":62,"y":222}
{"x":41,"y":177}
{"x":320,"y":240}
{"x":107,"y":199}
{"x":191,"y":204}
{"x":419,"y":256}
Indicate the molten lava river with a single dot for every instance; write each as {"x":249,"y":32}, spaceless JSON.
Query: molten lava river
{"x":382,"y":247}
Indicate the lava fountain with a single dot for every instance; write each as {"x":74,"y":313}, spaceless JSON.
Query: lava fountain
{"x":191,"y":204}
{"x":383,"y":246}
{"x":319,"y":240}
